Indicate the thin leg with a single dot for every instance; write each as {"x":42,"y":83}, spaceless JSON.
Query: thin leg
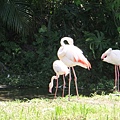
{"x":56,"y":88}
{"x":118,"y":78}
{"x":63,"y":86}
{"x":115,"y":77}
{"x":69,"y":84}
{"x":75,"y":79}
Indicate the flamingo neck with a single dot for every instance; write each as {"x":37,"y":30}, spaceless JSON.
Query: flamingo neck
{"x":51,"y":83}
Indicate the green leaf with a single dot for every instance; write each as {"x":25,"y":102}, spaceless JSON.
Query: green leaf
{"x":118,"y":29}
{"x":43,"y":29}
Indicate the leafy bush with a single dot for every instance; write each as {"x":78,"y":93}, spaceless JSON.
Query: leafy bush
{"x":31,"y":31}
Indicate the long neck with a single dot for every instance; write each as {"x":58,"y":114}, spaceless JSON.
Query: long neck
{"x":51,"y":83}
{"x":68,"y":39}
{"x":52,"y":79}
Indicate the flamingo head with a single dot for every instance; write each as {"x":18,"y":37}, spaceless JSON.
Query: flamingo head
{"x":50,"y":87}
{"x":106,"y":54}
{"x":68,"y":39}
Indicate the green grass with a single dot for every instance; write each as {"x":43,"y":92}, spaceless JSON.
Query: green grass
{"x":96,"y":107}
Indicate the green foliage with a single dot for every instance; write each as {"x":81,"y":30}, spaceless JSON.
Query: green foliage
{"x":31,"y":30}
{"x":97,"y":42}
{"x":16,"y":14}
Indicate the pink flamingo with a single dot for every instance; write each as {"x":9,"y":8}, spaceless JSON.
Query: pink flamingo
{"x":113,"y":57}
{"x":71,"y":56}
{"x":60,"y":69}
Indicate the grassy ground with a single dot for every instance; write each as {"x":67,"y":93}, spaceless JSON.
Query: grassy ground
{"x":96,"y":107}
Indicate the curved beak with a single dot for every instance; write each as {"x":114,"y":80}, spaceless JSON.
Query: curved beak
{"x":102,"y":57}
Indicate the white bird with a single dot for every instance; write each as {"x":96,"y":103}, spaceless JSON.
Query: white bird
{"x":60,"y":69}
{"x":71,"y":56}
{"x":113,"y":57}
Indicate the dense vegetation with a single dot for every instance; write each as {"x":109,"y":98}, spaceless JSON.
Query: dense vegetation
{"x":30,"y":32}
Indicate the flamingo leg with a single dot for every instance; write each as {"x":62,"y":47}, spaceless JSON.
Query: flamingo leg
{"x":63,"y":86}
{"x":56,"y":88}
{"x":75,"y":79}
{"x":69,"y":85}
{"x":117,"y":77}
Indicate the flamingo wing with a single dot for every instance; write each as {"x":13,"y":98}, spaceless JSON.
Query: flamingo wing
{"x":73,"y":56}
{"x":80,"y":59}
{"x":115,"y":57}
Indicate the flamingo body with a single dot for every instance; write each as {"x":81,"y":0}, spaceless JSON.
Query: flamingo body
{"x":71,"y":56}
{"x":60,"y":69}
{"x":113,"y":57}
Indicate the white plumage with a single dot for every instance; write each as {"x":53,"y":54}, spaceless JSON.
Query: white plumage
{"x":71,"y":56}
{"x":60,"y":69}
{"x":113,"y":57}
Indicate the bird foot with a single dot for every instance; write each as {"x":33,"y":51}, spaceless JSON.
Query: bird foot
{"x":55,"y":97}
{"x":68,"y":99}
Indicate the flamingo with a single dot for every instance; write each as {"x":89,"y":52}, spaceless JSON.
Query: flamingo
{"x":113,"y":57}
{"x":71,"y":56}
{"x":60,"y":69}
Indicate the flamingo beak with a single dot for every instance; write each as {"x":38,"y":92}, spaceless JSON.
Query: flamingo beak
{"x":102,"y":57}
